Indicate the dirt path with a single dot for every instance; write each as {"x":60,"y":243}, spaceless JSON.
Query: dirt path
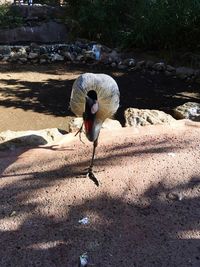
{"x":145,"y":212}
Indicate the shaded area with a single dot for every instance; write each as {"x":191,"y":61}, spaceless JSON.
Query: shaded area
{"x":132,"y":221}
{"x":50,"y":95}
{"x":120,"y":232}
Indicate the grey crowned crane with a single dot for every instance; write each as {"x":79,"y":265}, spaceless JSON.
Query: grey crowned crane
{"x":95,"y":97}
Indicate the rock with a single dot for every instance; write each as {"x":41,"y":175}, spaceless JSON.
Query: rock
{"x":12,"y":139}
{"x":140,"y":64}
{"x":169,"y":73}
{"x":170,"y":68}
{"x":189,"y":110}
{"x":13,"y":56}
{"x":76,"y":123}
{"x":5,"y":50}
{"x":113,"y":64}
{"x":68,"y":56}
{"x":44,"y":56}
{"x":33,"y":55}
{"x":43,"y":61}
{"x":109,"y":57}
{"x":56,"y":57}
{"x":80,"y":58}
{"x":110,"y":124}
{"x":141,"y":117}
{"x":89,"y":55}
{"x":174,"y":196}
{"x":5,"y":58}
{"x":130,"y":62}
{"x":23,"y":59}
{"x":22,"y":52}
{"x":159,"y":66}
{"x":184,"y":72}
{"x":121,"y":66}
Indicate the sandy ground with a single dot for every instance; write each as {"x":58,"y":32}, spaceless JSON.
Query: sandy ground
{"x":36,"y":97}
{"x":145,"y":212}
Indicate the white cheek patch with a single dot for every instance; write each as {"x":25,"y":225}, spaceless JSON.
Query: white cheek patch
{"x":94,"y":108}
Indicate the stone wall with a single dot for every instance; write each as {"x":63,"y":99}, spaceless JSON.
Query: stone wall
{"x":41,"y":24}
{"x":83,"y":52}
{"x":48,"y":32}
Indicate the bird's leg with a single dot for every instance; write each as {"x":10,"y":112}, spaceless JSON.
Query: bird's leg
{"x":79,"y":132}
{"x":95,"y":144}
{"x":90,"y":172}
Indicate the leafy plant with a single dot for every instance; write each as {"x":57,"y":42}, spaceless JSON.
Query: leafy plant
{"x":151,"y":24}
{"x":9,"y":18}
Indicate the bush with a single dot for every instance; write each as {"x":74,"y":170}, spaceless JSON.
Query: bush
{"x":99,"y":19}
{"x":9,"y":18}
{"x":165,"y":24}
{"x":152,"y":24}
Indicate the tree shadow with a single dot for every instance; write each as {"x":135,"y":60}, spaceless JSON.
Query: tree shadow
{"x":39,"y":211}
{"x":161,"y":232}
{"x":139,"y":90}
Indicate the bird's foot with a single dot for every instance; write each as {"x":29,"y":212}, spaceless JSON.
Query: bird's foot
{"x":89,"y":174}
{"x":92,"y":177}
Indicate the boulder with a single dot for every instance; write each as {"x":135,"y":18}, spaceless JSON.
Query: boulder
{"x":33,"y":55}
{"x":170,"y":68}
{"x":12,"y":139}
{"x":130,"y":62}
{"x":140,"y":117}
{"x":56,"y":57}
{"x":189,"y":110}
{"x":75,"y":124}
{"x":160,"y":66}
{"x":5,"y":50}
{"x":109,"y":124}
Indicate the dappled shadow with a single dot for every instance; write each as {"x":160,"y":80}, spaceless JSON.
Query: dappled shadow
{"x":132,"y":225}
{"x":51,"y":96}
{"x":74,"y":168}
{"x":161,"y":232}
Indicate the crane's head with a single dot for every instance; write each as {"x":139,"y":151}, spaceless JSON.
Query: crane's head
{"x":92,"y":127}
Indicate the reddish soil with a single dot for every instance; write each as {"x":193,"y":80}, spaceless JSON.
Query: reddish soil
{"x":146,"y":210}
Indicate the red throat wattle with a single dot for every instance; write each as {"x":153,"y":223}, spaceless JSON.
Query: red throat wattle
{"x":88,"y":125}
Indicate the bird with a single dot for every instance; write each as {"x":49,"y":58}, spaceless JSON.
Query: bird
{"x":94,"y":97}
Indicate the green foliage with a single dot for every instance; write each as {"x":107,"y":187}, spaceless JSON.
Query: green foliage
{"x":99,"y":19}
{"x":165,"y":24}
{"x":9,"y":18}
{"x":151,"y":24}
